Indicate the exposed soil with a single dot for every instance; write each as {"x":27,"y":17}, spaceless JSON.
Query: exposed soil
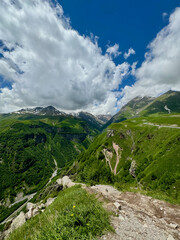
{"x":138,"y":217}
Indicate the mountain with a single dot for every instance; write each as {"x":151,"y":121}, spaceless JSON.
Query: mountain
{"x":144,"y":106}
{"x":169,"y":102}
{"x":104,"y":118}
{"x":91,"y":119}
{"x":140,"y":154}
{"x":131,"y":109}
{"x":31,"y":145}
{"x":50,"y":110}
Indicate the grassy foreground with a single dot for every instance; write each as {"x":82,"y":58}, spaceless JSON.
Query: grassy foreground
{"x":73,"y":215}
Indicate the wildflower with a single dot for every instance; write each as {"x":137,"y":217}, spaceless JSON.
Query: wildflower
{"x":74,"y":206}
{"x":72,"y":215}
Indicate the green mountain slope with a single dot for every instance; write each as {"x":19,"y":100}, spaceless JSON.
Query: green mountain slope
{"x":29,"y":144}
{"x":168,"y":102}
{"x":140,"y":154}
{"x":75,"y":214}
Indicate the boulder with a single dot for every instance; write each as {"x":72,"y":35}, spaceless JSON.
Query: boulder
{"x":66,"y":181}
{"x":174,"y":225}
{"x":117,"y":205}
{"x":17,"y":222}
{"x":35,"y":212}
{"x":30,"y":206}
{"x":49,"y":201}
{"x":59,"y":181}
{"x":132,"y":169}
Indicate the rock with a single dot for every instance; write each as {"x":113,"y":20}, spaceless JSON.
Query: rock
{"x":30,"y":206}
{"x":41,"y":206}
{"x":28,"y":215}
{"x":49,"y":201}
{"x":17,"y":222}
{"x":173,"y":225}
{"x":110,"y":133}
{"x":59,"y":181}
{"x":66,"y":181}
{"x":132,"y":169}
{"x":117,"y":205}
{"x":19,"y":196}
{"x":170,"y":238}
{"x":145,"y":225}
{"x":121,"y":217}
{"x":35,"y":212}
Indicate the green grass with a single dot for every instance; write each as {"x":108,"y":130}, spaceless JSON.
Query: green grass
{"x":156,"y":152}
{"x":73,"y":215}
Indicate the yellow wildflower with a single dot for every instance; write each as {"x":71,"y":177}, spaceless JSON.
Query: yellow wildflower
{"x":74,"y":206}
{"x":72,"y":215}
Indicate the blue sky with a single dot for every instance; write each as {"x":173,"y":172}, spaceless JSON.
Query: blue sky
{"x":129,"y":23}
{"x":82,"y":55}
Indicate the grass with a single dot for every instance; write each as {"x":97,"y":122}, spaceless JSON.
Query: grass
{"x":156,"y":152}
{"x":73,"y":215}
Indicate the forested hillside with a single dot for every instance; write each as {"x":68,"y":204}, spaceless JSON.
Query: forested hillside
{"x":30,"y":145}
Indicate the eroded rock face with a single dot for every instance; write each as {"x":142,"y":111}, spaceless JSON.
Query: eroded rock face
{"x":34,"y":209}
{"x":16,"y":223}
{"x":49,"y":201}
{"x":110,"y":133}
{"x":132,"y":169}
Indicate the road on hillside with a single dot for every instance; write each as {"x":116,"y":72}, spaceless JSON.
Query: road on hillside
{"x":162,"y":126}
{"x":29,"y":197}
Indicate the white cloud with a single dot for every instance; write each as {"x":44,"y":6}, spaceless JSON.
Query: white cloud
{"x":113,"y":50}
{"x":164,"y":15}
{"x":160,"y":71}
{"x":129,"y":53}
{"x":49,"y":63}
{"x":133,"y":68}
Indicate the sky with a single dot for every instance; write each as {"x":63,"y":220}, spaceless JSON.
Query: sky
{"x":87,"y":55}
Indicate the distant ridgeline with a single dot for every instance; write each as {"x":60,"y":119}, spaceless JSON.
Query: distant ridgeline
{"x":145,"y":106}
{"x":139,"y":154}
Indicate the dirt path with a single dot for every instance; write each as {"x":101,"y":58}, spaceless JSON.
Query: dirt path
{"x":138,"y":217}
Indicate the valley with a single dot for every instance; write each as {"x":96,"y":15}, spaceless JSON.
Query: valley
{"x":137,"y":151}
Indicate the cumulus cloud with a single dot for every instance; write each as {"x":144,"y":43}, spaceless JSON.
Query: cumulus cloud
{"x":113,"y":50}
{"x":129,"y":53}
{"x":160,"y":71}
{"x":49,"y":63}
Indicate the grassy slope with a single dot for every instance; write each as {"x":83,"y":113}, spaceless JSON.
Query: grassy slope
{"x":29,"y":144}
{"x":156,"y":152}
{"x":73,"y":215}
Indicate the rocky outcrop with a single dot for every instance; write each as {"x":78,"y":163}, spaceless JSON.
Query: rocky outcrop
{"x":49,"y":201}
{"x":110,"y":133}
{"x":132,"y":169}
{"x":66,"y":182}
{"x":16,"y":223}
